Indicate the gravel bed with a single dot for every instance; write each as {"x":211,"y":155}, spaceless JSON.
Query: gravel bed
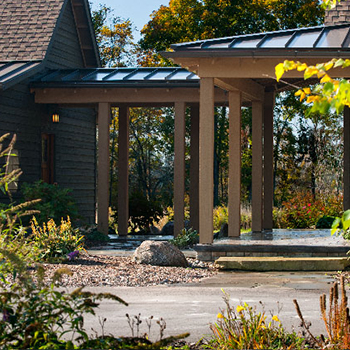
{"x":102,"y":270}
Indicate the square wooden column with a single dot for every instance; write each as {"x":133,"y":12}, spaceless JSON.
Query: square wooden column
{"x":257,"y":167}
{"x":104,"y":117}
{"x":234,"y":184}
{"x":269,"y":102}
{"x":179,"y":168}
{"x":194,"y":167}
{"x":346,"y":175}
{"x":206,"y":160}
{"x":123,"y":171}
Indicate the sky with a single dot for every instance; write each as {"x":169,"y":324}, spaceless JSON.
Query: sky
{"x":138,"y":11}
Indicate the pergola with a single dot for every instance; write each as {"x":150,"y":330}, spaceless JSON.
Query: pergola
{"x":243,"y":67}
{"x":125,"y":88}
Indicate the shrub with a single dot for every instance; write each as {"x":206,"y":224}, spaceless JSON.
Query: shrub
{"x":303,"y":211}
{"x":220,"y":217}
{"x":336,"y":320}
{"x":341,"y":225}
{"x":54,"y":242}
{"x":92,"y":237}
{"x":244,"y":328}
{"x":36,"y":316}
{"x":143,"y":212}
{"x":187,"y":238}
{"x":56,"y":202}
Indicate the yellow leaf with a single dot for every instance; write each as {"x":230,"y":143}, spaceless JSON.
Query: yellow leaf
{"x":301,"y":67}
{"x":279,"y":71}
{"x":328,"y":65}
{"x":325,"y":79}
{"x":220,"y":315}
{"x":307,"y":91}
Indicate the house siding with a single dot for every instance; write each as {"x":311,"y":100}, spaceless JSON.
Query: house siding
{"x":75,"y":134}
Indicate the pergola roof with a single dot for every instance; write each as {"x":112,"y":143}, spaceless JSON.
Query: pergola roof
{"x":312,"y":41}
{"x":118,"y":77}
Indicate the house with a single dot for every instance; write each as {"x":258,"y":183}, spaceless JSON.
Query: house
{"x":37,"y":35}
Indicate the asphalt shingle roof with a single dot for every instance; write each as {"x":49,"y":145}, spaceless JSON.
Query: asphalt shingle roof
{"x":26,"y":27}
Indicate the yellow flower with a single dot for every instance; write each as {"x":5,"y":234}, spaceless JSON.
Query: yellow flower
{"x":220,"y":315}
{"x":275,"y":318}
{"x":240,"y":308}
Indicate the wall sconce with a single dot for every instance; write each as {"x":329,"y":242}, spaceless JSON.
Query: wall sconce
{"x":55,"y":117}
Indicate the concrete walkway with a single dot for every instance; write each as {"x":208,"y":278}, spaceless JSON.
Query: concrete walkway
{"x":191,"y":308}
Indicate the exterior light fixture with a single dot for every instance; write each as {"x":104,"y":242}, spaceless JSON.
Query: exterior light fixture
{"x":55,"y":117}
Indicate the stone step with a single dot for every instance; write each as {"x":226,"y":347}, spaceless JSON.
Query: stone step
{"x":282,"y":264}
{"x":210,"y":252}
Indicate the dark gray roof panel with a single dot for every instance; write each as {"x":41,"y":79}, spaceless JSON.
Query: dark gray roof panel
{"x":11,"y":72}
{"x":149,"y":77}
{"x":321,"y":37}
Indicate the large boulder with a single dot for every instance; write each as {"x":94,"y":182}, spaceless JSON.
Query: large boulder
{"x":159,"y":254}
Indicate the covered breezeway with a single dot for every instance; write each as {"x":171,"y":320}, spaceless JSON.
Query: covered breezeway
{"x":231,"y":71}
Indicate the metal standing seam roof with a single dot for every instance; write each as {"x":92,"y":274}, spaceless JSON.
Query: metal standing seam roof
{"x":313,"y":40}
{"x":11,"y":72}
{"x":118,"y":77}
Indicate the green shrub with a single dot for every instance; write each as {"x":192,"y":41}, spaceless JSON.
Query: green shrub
{"x":56,"y":202}
{"x":220,"y":217}
{"x":143,"y":212}
{"x":36,"y":316}
{"x":303,"y":211}
{"x":325,"y":222}
{"x":54,"y":243}
{"x":92,"y":237}
{"x":244,"y":328}
{"x":187,"y":238}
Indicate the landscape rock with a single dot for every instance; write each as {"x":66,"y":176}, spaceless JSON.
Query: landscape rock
{"x":168,"y":229}
{"x":223,"y":232}
{"x":159,"y":254}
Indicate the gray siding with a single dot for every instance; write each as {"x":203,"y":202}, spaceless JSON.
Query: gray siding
{"x":75,"y":153}
{"x":75,"y":134}
{"x":64,"y":50}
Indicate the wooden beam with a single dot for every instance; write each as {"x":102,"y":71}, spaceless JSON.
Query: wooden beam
{"x":234,"y":184}
{"x":194,"y":168}
{"x":179,"y":168}
{"x":247,"y":67}
{"x":346,"y":176}
{"x":123,"y":171}
{"x":206,"y":160}
{"x":104,"y":116}
{"x":115,"y":96}
{"x":257,"y":166}
{"x":250,"y":89}
{"x":268,"y":160}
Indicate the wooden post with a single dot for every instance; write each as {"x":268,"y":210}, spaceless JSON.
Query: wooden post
{"x":257,"y":167}
{"x":206,"y":160}
{"x":269,"y":102}
{"x":104,"y":116}
{"x":123,"y":171}
{"x":234,"y":184}
{"x":179,"y":168}
{"x":346,"y":175}
{"x":194,"y":167}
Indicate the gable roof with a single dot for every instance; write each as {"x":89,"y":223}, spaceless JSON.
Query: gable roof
{"x":310,"y":42}
{"x":26,"y":28}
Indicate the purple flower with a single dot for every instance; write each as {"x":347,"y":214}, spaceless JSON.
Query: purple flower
{"x":73,"y":255}
{"x":5,"y":315}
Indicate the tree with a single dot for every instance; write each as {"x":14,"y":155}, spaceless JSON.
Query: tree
{"x":329,"y":94}
{"x":189,"y":20}
{"x":114,"y":38}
